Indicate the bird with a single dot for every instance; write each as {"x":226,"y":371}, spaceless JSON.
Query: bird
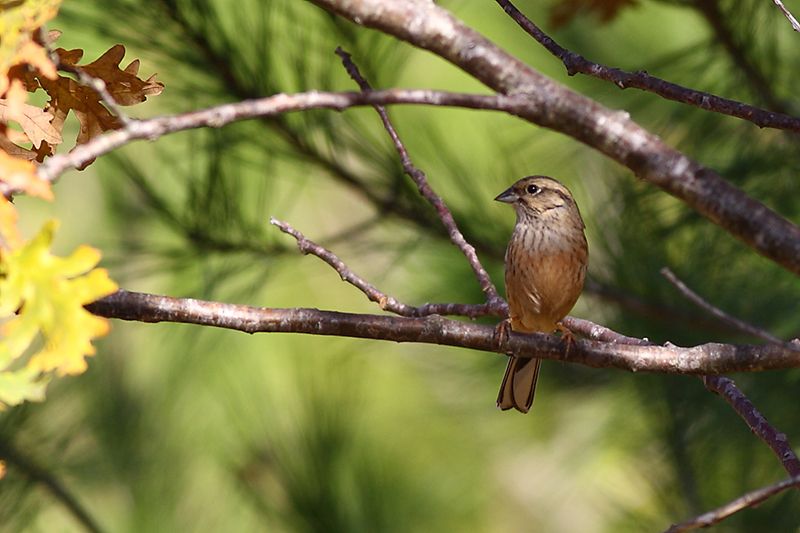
{"x":545,"y":267}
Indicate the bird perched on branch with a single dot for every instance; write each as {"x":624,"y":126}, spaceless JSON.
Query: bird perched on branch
{"x":546,"y":263}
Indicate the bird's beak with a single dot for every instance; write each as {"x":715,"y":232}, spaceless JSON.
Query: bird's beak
{"x":508,"y":196}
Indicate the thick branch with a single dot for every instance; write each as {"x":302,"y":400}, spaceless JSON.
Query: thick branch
{"x":577,"y":64}
{"x":426,"y":25}
{"x":712,"y":358}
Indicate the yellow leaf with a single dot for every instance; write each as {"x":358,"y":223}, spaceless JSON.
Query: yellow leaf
{"x":41,"y":308}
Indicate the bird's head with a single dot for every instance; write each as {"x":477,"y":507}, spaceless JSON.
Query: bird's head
{"x":538,"y":198}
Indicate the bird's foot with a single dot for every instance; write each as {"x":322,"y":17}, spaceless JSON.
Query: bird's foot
{"x":501,"y":334}
{"x":567,"y":336}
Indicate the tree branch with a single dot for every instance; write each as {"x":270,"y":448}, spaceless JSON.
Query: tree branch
{"x":577,"y":64}
{"x":751,"y":499}
{"x":224,"y":114}
{"x":788,"y":15}
{"x":426,"y":25}
{"x":711,"y":358}
{"x":758,"y":424}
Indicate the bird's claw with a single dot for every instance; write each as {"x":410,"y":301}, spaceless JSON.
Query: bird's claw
{"x":501,"y":334}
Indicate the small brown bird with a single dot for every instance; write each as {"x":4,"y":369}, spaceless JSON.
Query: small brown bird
{"x":545,"y":267}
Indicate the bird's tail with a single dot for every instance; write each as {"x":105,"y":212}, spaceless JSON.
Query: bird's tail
{"x":519,"y":384}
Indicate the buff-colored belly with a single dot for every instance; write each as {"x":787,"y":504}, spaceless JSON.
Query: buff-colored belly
{"x":543,"y":287}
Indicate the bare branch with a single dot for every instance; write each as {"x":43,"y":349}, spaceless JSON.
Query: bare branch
{"x":758,"y":424}
{"x":427,"y":25}
{"x":734,"y":322}
{"x":384,"y":301}
{"x":224,"y":114}
{"x":788,"y":15}
{"x":427,"y":192}
{"x":712,"y":358}
{"x":751,"y":499}
{"x":577,"y":64}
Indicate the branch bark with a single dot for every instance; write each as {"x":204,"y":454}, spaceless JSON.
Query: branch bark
{"x":428,"y":26}
{"x":711,"y":358}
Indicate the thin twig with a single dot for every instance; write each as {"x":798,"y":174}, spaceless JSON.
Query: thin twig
{"x":386,"y":302}
{"x":577,"y":64}
{"x":751,"y":499}
{"x":788,"y":15}
{"x":718,"y":313}
{"x":421,"y":181}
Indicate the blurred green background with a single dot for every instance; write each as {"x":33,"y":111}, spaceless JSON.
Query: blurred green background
{"x":180,"y":428}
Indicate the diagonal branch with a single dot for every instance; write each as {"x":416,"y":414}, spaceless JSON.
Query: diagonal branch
{"x":751,"y":499}
{"x":384,"y":301}
{"x":717,"y":313}
{"x":427,"y":192}
{"x":758,"y":424}
{"x":788,"y":15}
{"x":577,"y":64}
{"x":613,"y":133}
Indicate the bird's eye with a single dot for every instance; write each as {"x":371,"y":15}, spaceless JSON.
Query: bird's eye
{"x":532,"y":189}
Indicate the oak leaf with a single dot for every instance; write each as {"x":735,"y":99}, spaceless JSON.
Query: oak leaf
{"x":93,"y":116}
{"x":43,"y":318}
{"x":34,"y":121}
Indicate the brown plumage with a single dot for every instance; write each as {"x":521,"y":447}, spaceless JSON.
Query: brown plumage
{"x":545,"y":267}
